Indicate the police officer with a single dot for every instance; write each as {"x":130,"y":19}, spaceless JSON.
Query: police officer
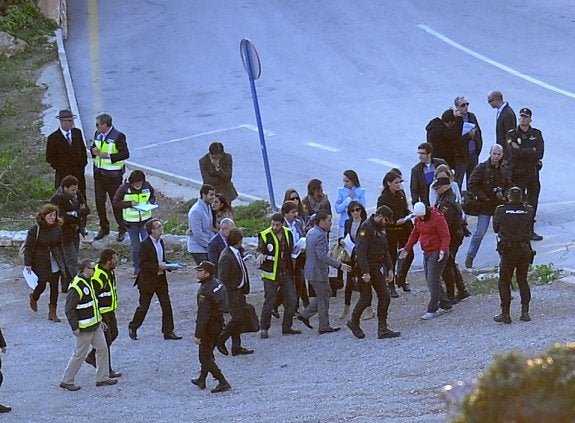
{"x":448,"y":205}
{"x":526,"y":147}
{"x":372,"y":255}
{"x":212,"y":298}
{"x":513,"y":222}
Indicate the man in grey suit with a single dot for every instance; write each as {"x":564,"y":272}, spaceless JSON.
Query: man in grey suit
{"x":506,"y":120}
{"x":316,"y":271}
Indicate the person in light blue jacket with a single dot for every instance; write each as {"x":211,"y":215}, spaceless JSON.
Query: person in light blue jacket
{"x":201,"y":224}
{"x":350,"y":191}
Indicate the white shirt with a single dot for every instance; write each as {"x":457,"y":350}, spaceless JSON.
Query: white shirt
{"x":241,"y":263}
{"x":159,"y":252}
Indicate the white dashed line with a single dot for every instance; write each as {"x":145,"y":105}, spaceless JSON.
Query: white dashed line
{"x":322,"y":147}
{"x":496,"y":64}
{"x":384,"y":163}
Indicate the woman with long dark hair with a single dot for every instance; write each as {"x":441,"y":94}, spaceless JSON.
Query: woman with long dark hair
{"x":43,"y":255}
{"x":350,"y":191}
{"x":221,"y":208}
{"x":394,"y":197}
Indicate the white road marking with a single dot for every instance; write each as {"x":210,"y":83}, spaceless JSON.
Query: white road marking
{"x":322,"y":147}
{"x":201,"y":134}
{"x":384,"y":163}
{"x":496,"y":64}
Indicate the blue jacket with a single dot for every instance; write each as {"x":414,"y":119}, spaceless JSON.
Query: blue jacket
{"x":201,"y":223}
{"x":317,"y":259}
{"x":343,"y":200}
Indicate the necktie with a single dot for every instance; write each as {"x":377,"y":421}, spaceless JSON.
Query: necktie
{"x":68,"y":137}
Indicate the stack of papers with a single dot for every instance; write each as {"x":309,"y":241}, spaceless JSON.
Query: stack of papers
{"x":146,"y":207}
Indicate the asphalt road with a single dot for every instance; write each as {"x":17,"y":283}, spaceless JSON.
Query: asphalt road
{"x":344,"y":85}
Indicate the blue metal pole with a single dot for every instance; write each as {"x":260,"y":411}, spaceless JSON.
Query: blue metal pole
{"x":260,"y":127}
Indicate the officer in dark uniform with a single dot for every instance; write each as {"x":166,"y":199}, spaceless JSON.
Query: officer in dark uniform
{"x":513,"y":222}
{"x":526,"y":148}
{"x":212,"y":299}
{"x":373,"y":259}
{"x":448,"y":205}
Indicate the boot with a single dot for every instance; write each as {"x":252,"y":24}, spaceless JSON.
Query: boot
{"x":503,"y":317}
{"x":344,"y":312}
{"x":52,"y":313}
{"x":392,"y":292}
{"x":33,"y":302}
{"x":222,"y":386}
{"x":525,"y":313}
{"x":355,"y":329}
{"x":200,"y":382}
{"x":368,"y":314}
{"x":385,"y":332}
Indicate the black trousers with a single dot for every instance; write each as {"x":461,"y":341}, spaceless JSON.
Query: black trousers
{"x":161,"y":290}
{"x":53,"y":282}
{"x":106,"y":186}
{"x":396,"y":239}
{"x":206,"y":356}
{"x":110,"y":334}
{"x":377,"y":281}
{"x":529,"y":183}
{"x":233,"y":327}
{"x":516,"y":260}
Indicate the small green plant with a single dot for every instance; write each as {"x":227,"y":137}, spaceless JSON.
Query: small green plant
{"x":175,"y":226}
{"x":23,"y":19}
{"x":545,"y":273}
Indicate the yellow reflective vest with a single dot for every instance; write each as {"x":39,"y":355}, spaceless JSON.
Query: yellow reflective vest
{"x":87,"y":307}
{"x":132,"y":214}
{"x":271,"y":243}
{"x":106,"y":288}
{"x":107,"y":146}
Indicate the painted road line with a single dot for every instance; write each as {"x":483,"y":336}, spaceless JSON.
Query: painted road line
{"x":255,"y":129}
{"x":496,"y":64}
{"x":201,"y":134}
{"x":384,"y":163}
{"x":322,"y":147}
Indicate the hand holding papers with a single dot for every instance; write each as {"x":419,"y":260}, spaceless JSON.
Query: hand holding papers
{"x":298,"y":247}
{"x":467,"y":126}
{"x":348,"y":245}
{"x":144,"y":207}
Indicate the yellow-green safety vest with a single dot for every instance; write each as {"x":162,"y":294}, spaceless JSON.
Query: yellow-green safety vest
{"x":87,"y":307}
{"x":107,"y":296}
{"x":106,"y":164}
{"x":132,"y":214}
{"x":269,"y":267}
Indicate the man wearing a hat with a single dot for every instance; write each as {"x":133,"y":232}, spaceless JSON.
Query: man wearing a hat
{"x":448,"y":205}
{"x":212,"y":299}
{"x":513,"y":222}
{"x":66,"y":151}
{"x":525,"y":154}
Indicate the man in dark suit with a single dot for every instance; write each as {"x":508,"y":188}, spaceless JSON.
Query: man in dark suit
{"x":422,"y":173}
{"x":468,"y":145}
{"x":216,"y":168}
{"x":233,"y":273}
{"x":66,"y":151}
{"x":152,"y":280}
{"x":220,"y":241}
{"x":442,"y":135}
{"x":506,"y":120}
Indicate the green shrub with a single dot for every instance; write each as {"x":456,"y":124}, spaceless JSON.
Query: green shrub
{"x":23,"y":19}
{"x":517,"y":388}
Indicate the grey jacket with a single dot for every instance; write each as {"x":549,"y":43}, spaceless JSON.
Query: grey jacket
{"x":317,"y":259}
{"x":201,"y":223}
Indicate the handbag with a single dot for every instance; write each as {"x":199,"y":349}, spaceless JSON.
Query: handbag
{"x":340,"y":254}
{"x":250,"y":323}
{"x":470,"y":203}
{"x":22,"y":246}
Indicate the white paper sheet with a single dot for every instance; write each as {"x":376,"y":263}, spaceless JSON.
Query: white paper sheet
{"x":31,"y":278}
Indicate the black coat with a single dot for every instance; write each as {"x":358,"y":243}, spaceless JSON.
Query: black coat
{"x":67,"y":159}
{"x":417,"y":185}
{"x":149,"y":266}
{"x":37,"y":251}
{"x":443,"y":139}
{"x":506,"y":121}
{"x":211,"y":299}
{"x":221,"y":179}
{"x":65,"y":205}
{"x":484,"y":182}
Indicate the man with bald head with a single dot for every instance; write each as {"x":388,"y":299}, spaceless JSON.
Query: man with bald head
{"x":489,"y":181}
{"x":505,"y":120}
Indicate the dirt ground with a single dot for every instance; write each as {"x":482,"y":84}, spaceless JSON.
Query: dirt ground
{"x":304,"y":378}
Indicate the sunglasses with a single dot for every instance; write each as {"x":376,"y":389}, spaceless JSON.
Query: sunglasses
{"x":294,"y":198}
{"x":464,"y":105}
{"x":356,"y":209}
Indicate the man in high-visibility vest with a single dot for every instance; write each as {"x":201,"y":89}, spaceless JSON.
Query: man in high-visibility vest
{"x":87,"y":326}
{"x":275,"y":247}
{"x":109,"y":151}
{"x":104,"y":283}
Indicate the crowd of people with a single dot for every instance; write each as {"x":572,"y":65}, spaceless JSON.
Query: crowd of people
{"x":293,"y":255}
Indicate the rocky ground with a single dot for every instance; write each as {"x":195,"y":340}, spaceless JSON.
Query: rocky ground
{"x":305,"y":378}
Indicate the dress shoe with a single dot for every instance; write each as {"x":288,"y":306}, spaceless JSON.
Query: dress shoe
{"x":393,"y":292}
{"x":222,"y":348}
{"x":172,"y":336}
{"x":222,"y":387}
{"x":535,"y":237}
{"x":291,"y":331}
{"x":387,"y":333}
{"x":69,"y":386}
{"x":133,"y":333}
{"x":114,"y":375}
{"x":101,"y":234}
{"x":304,"y":320}
{"x":91,"y":360}
{"x":199,"y":382}
{"x":264,"y":334}
{"x":468,"y":262}
{"x":503,"y":318}
{"x":107,"y":382}
{"x":242,"y":351}
{"x":329,"y":330}
{"x":121,"y":236}
{"x":355,"y":329}
{"x":5,"y":409}
{"x":525,"y":317}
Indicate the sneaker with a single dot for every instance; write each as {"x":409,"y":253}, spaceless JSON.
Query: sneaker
{"x":441,"y":311}
{"x":428,"y":316}
{"x":107,"y":382}
{"x":69,"y":386}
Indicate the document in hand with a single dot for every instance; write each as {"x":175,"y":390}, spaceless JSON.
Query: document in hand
{"x":146,"y":207}
{"x":298,"y":248}
{"x":467,"y":126}
{"x":31,"y":278}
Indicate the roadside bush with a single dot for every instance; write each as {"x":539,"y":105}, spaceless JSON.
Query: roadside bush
{"x":517,"y":388}
{"x":23,"y":19}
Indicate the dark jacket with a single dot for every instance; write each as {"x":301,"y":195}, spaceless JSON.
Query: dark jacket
{"x":221,"y":179}
{"x":490,"y":184}
{"x":123,"y":153}
{"x":523,"y":161}
{"x":73,"y":211}
{"x":37,"y":251}
{"x":442,"y":138}
{"x":127,"y":188}
{"x":448,"y":205}
{"x":211,"y":300}
{"x":64,"y":158}
{"x":417,"y":185}
{"x":461,"y":152}
{"x":372,"y":250}
{"x":397,"y":202}
{"x":506,"y":121}
{"x":513,"y":222}
{"x":230,"y":273}
{"x":149,"y":266}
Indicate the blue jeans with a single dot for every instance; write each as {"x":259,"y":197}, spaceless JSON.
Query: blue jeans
{"x":433,"y":269}
{"x":137,"y":234}
{"x":482,"y":226}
